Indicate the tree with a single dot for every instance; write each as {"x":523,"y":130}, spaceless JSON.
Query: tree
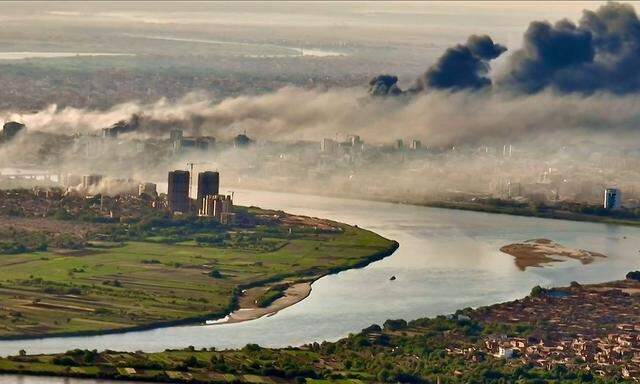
{"x":537,"y":291}
{"x":633,"y":275}
{"x":394,"y":325}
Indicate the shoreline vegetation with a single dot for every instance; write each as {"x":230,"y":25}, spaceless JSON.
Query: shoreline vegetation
{"x":553,"y":335}
{"x":540,"y":211}
{"x":252,"y":306}
{"x":234,"y":314}
{"x":571,"y":211}
{"x":165,"y":272}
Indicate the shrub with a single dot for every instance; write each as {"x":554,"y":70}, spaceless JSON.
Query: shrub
{"x":269,"y":297}
{"x":394,"y":325}
{"x":252,"y":348}
{"x":102,"y":311}
{"x":63,"y":360}
{"x":633,"y":275}
{"x":537,"y":291}
{"x":215,"y":274}
{"x":372,"y":328}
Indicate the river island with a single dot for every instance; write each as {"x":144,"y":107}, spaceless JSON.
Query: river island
{"x":66,"y":269}
{"x":538,"y":252}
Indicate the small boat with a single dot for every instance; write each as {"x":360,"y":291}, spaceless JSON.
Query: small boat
{"x":392,"y":278}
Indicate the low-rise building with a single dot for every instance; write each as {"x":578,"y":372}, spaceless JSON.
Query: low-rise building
{"x":219,"y":207}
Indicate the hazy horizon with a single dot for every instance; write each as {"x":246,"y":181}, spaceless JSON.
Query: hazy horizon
{"x":288,"y":72}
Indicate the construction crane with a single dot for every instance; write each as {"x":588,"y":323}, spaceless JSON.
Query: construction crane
{"x":191,"y":165}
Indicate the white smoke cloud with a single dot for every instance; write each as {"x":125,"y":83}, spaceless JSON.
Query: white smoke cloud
{"x":588,"y":141}
{"x":437,"y":118}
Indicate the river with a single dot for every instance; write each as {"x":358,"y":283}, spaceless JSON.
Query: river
{"x":50,"y":55}
{"x":282,"y":50}
{"x":448,"y":259}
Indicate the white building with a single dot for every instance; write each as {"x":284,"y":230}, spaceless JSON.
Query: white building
{"x":612,"y":198}
{"x":149,"y":189}
{"x":505,"y":353}
{"x":328,"y":146}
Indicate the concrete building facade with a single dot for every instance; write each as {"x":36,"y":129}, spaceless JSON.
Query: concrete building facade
{"x":90,"y":181}
{"x":219,"y":207}
{"x":149,"y":189}
{"x":612,"y":198}
{"x":208,"y":184}
{"x":178,"y":191}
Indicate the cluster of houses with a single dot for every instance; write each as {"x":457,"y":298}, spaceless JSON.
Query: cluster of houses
{"x":617,"y":353}
{"x":592,"y":328}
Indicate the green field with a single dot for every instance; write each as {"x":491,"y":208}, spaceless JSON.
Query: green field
{"x":107,"y":287}
{"x":444,"y":349}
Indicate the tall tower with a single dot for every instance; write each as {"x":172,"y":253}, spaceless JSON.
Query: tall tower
{"x":178,"y":191}
{"x":612,"y":199}
{"x":175,"y":135}
{"x":208,"y":184}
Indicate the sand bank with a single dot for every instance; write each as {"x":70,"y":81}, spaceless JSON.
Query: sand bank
{"x":537,"y":252}
{"x":249,"y":310}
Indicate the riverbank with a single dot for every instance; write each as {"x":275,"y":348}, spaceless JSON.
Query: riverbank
{"x":247,"y":308}
{"x":427,"y":284}
{"x":250,"y":310}
{"x":548,"y":212}
{"x":140,"y":285}
{"x":581,"y":333}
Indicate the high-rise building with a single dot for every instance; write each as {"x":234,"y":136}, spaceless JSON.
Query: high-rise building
{"x":175,"y":138}
{"x":612,"y":198}
{"x":110,"y":132}
{"x":70,"y":179}
{"x":90,"y":181}
{"x":507,"y":150}
{"x":241,"y":141}
{"x":208,"y":184}
{"x":178,"y":191}
{"x":328,"y":146}
{"x":416,"y":144}
{"x":148,"y":189}
{"x":355,"y":142}
{"x":175,"y":135}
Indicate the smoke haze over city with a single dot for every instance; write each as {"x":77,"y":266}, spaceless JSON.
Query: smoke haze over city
{"x":495,"y":106}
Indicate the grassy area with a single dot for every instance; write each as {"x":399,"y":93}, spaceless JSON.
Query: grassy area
{"x":111,"y":286}
{"x":445,"y":349}
{"x":397,"y":352}
{"x":272,"y":294}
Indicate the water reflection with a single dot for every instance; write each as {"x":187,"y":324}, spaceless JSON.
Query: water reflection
{"x":447,"y":260}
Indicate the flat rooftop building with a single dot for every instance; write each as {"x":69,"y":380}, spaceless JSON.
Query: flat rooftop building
{"x":612,"y":199}
{"x":208,"y":184}
{"x":178,"y":191}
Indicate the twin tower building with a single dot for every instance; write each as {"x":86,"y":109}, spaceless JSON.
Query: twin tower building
{"x":209,"y":201}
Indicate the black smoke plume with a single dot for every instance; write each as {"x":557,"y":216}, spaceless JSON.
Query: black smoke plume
{"x":600,"y":53}
{"x":464,"y":66}
{"x":384,"y":85}
{"x":123,"y":126}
